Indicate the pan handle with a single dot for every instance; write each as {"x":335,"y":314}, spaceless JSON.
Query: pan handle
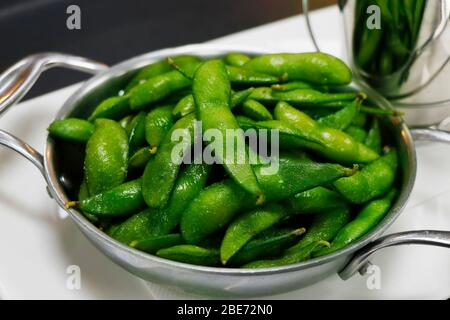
{"x":360,"y":263}
{"x":16,"y":81}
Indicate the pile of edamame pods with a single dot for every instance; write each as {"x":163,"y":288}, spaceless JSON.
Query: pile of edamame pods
{"x":384,"y":49}
{"x":336,"y":171}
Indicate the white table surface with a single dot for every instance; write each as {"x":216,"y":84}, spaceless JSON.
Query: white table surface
{"x":37,"y":245}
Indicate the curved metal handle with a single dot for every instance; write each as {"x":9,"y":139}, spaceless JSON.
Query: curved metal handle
{"x":360,"y":263}
{"x":430,"y":134}
{"x":14,"y":143}
{"x":18,"y":79}
{"x":305,"y":8}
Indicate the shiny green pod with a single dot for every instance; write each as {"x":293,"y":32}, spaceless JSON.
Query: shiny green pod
{"x":157,"y":124}
{"x":236,"y":59}
{"x":106,"y":158}
{"x":113,"y":108}
{"x":372,"y":181}
{"x":161,"y":170}
{"x":72,"y":129}
{"x":136,"y":132}
{"x":155,"y":243}
{"x":191,"y":254}
{"x":255,"y":110}
{"x":316,"y":67}
{"x":212,"y":92}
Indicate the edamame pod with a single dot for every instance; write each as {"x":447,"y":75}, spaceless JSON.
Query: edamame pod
{"x":317,"y":68}
{"x":106,"y":158}
{"x":188,"y":185}
{"x":373,"y":139}
{"x":153,"y":244}
{"x":324,"y":227}
{"x":300,"y":255}
{"x":157,"y":88}
{"x":125,"y":121}
{"x":267,"y":244}
{"x":136,"y":227}
{"x":236,"y":59}
{"x":255,"y":110}
{"x":83,"y":193}
{"x":158,"y":68}
{"x":315,"y":200}
{"x":140,"y":158}
{"x":157,"y":124}
{"x":357,"y":133}
{"x":191,"y":254}
{"x":309,"y":97}
{"x":112,"y":108}
{"x":72,"y":129}
{"x":119,"y":201}
{"x":343,"y":118}
{"x":185,"y":106}
{"x":336,"y":145}
{"x":136,"y":132}
{"x":211,"y":90}
{"x":240,"y":76}
{"x":161,"y":170}
{"x":365,"y":221}
{"x":372,"y":181}
{"x":247,"y":226}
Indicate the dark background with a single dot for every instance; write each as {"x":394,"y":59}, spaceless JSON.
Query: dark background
{"x":114,"y":30}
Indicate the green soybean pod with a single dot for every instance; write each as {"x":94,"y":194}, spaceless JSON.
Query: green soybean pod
{"x":324,"y":227}
{"x":240,"y":76}
{"x":255,"y":110}
{"x":372,"y":181}
{"x":155,"y":243}
{"x":365,"y":221}
{"x":267,"y":244}
{"x":236,"y":59}
{"x":247,"y":226}
{"x":119,"y":201}
{"x":357,"y":133}
{"x":72,"y":129}
{"x":140,"y":158}
{"x":300,"y":255}
{"x":113,"y":108}
{"x":309,"y":97}
{"x":161,"y":170}
{"x":136,"y":227}
{"x":315,"y":200}
{"x":157,"y":88}
{"x":191,"y":254}
{"x":336,"y":145}
{"x":373,"y":139}
{"x":125,"y":121}
{"x":211,"y":89}
{"x":185,"y":106}
{"x":157,"y":124}
{"x":317,"y":68}
{"x":158,"y":68}
{"x":83,"y":193}
{"x":106,"y":158}
{"x":212,"y":209}
{"x":343,"y":118}
{"x":136,"y":132}
{"x":369,"y":43}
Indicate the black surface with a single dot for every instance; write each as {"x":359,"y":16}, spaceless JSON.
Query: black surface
{"x":113,"y":30}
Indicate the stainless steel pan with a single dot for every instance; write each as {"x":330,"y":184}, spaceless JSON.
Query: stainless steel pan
{"x":60,"y":169}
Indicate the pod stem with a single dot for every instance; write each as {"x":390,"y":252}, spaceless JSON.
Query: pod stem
{"x":153,"y":149}
{"x":71,"y":204}
{"x":349,"y":172}
{"x":299,"y":231}
{"x":261,"y":198}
